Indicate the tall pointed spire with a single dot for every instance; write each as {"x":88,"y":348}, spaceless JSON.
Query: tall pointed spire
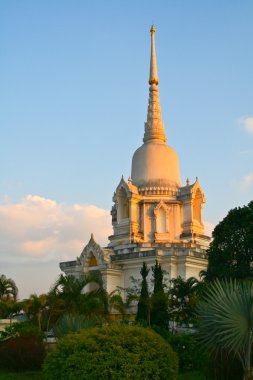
{"x":154,"y":128}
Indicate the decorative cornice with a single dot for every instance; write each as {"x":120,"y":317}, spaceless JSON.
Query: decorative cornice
{"x":159,"y":190}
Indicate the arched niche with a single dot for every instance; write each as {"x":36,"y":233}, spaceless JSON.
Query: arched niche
{"x":92,"y":261}
{"x":161,"y":213}
{"x":122,"y":205}
{"x":161,"y":223}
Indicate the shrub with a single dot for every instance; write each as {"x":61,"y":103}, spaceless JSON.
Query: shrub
{"x":191,"y":355}
{"x":26,"y":328}
{"x":113,"y":352}
{"x":24,"y":352}
{"x":187,"y":346}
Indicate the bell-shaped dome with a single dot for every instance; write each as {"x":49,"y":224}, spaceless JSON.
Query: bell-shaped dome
{"x":155,"y":164}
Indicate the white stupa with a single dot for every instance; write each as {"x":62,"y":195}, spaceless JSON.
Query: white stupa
{"x":154,"y":217}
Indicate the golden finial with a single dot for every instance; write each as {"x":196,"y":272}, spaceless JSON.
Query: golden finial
{"x":153,"y":78}
{"x":152,"y":30}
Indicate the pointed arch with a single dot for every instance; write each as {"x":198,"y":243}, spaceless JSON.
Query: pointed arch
{"x":161,"y":212}
{"x":123,"y":205}
{"x":92,"y":261}
{"x":121,"y":198}
{"x":93,"y":254}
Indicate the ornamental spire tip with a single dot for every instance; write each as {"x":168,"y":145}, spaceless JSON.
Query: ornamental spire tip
{"x":154,"y":128}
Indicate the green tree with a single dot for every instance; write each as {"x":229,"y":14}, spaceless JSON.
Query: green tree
{"x":226,"y":320}
{"x":34,"y":307}
{"x":183,"y":297}
{"x":8,"y":288}
{"x":230,"y":254}
{"x":9,"y":306}
{"x":143,"y":310}
{"x":70,"y":291}
{"x":117,"y":303}
{"x":159,"y":301}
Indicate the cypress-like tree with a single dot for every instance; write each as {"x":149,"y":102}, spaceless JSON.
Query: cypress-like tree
{"x":159,"y":302}
{"x":143,"y":312}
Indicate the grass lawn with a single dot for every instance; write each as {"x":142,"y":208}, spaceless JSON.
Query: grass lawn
{"x":4,"y":375}
{"x":38,"y":376}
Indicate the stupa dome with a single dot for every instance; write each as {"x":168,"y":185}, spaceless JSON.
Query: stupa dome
{"x":155,"y":164}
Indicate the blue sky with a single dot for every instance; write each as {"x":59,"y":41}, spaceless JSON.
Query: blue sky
{"x":73,"y":102}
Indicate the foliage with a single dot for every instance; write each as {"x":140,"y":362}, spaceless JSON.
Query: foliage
{"x":190,"y":353}
{"x":34,"y":308}
{"x":73,"y":323}
{"x":225,"y":366}
{"x":8,"y":288}
{"x":159,"y":302}
{"x":187,"y":346}
{"x":70,"y":291}
{"x":183,"y":297}
{"x":24,"y":352}
{"x":112,"y":352}
{"x":230,"y":254}
{"x":22,"y":328}
{"x":67,"y":297}
{"x":9,"y":307}
{"x":225,"y":319}
{"x":143,"y":311}
{"x":8,"y":294}
{"x":31,"y":375}
{"x":196,"y":375}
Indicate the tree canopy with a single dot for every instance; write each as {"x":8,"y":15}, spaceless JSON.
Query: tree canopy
{"x":230,"y":254}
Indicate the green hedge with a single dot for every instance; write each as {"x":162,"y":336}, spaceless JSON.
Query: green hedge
{"x":113,"y":352}
{"x":191,"y":355}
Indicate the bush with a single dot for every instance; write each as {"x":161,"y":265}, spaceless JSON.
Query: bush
{"x":21,"y":328}
{"x":191,"y":355}
{"x":187,"y":346}
{"x":24,"y":352}
{"x":113,"y":352}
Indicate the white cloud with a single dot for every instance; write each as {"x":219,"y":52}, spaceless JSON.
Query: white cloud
{"x":247,"y":123}
{"x":44,"y":230}
{"x":246,"y":182}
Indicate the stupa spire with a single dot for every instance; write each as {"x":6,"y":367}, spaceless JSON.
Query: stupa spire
{"x":154,"y":127}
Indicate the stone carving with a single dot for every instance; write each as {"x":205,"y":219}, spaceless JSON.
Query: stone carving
{"x":93,"y":248}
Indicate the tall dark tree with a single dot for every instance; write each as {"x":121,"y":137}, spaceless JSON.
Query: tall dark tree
{"x":159,"y":301}
{"x":230,"y":254}
{"x":143,"y":312}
